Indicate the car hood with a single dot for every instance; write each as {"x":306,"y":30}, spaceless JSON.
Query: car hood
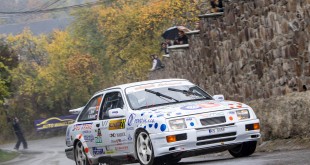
{"x":196,"y":107}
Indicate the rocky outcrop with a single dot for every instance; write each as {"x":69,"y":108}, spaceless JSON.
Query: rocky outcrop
{"x":284,"y":117}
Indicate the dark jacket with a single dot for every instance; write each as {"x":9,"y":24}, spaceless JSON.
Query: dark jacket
{"x":16,"y":126}
{"x":183,"y":40}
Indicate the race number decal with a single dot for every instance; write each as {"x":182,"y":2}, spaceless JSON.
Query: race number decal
{"x":117,"y":124}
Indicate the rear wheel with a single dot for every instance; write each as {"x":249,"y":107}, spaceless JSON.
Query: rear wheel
{"x":244,"y":149}
{"x":144,"y":148}
{"x":79,"y":155}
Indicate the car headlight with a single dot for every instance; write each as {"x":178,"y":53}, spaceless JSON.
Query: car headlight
{"x":177,"y":124}
{"x":243,"y":114}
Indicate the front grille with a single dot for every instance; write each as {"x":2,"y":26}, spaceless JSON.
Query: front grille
{"x":212,"y":121}
{"x":216,"y":136}
{"x":182,"y":136}
{"x":216,"y":141}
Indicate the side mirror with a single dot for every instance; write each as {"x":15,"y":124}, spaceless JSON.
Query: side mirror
{"x":116,"y":113}
{"x":219,"y":97}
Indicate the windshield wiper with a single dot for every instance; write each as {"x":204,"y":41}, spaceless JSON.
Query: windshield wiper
{"x":185,"y":92}
{"x":161,"y":95}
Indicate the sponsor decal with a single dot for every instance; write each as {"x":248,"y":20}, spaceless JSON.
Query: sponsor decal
{"x":109,"y":152}
{"x":97,"y":151}
{"x":117,"y":134}
{"x":144,"y":87}
{"x":54,"y":122}
{"x":89,"y":138}
{"x":189,"y":119}
{"x":208,"y":115}
{"x":163,"y":127}
{"x":117,"y":141}
{"x":129,"y":138}
{"x":86,"y":132}
{"x":82,"y":127}
{"x":169,"y":84}
{"x":209,"y":105}
{"x":155,"y":125}
{"x":99,"y":132}
{"x":191,"y":107}
{"x":200,"y":106}
{"x":160,"y":115}
{"x":98,"y":140}
{"x":231,"y":112}
{"x":117,"y":124}
{"x":105,"y":123}
{"x":231,"y":118}
{"x":93,"y":116}
{"x":121,"y":148}
{"x":131,"y":119}
{"x":130,"y":128}
{"x":139,"y":121}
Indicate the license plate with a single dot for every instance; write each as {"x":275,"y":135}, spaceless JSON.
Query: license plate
{"x":216,"y":130}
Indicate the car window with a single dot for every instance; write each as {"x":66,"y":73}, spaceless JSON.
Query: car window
{"x":111,"y":100}
{"x":139,"y":98}
{"x":91,"y":109}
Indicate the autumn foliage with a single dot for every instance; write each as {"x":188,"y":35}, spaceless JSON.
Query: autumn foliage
{"x":106,"y":45}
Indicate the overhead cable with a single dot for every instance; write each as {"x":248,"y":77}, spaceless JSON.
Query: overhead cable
{"x":53,"y":9}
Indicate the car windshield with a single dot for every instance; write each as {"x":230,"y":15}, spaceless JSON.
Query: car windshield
{"x":155,"y":95}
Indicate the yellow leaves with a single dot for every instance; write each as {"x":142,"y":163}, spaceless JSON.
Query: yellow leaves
{"x":133,"y":31}
{"x":82,"y":67}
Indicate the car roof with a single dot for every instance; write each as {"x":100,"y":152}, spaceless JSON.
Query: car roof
{"x":124,"y":86}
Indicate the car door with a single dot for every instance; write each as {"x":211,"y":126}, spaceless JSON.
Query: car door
{"x":114,"y":125}
{"x":88,"y":122}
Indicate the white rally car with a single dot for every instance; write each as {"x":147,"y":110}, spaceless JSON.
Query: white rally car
{"x":159,"y":122}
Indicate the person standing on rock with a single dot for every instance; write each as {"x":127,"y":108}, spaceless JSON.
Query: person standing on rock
{"x":156,"y":63}
{"x":19,"y":133}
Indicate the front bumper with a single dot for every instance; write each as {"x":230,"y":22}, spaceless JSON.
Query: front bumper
{"x":201,"y":140}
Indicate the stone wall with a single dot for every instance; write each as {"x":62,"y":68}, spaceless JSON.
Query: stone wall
{"x":283,"y":117}
{"x":255,"y":49}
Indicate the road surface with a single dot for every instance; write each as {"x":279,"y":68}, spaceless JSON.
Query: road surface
{"x":51,"y":152}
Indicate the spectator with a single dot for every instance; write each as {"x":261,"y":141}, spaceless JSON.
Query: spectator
{"x":168,"y":42}
{"x":19,"y":133}
{"x":197,"y":25}
{"x":157,"y":64}
{"x":164,"y":47}
{"x":182,"y":39}
{"x":216,"y":6}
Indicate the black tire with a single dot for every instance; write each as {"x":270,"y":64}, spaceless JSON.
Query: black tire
{"x":144,"y":148}
{"x":244,"y":149}
{"x":80,"y":157}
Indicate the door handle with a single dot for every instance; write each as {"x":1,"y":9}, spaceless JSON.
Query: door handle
{"x":98,"y":125}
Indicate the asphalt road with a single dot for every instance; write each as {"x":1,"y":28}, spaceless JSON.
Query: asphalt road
{"x":51,"y":152}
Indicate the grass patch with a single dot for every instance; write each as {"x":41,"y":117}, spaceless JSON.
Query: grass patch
{"x":6,"y":156}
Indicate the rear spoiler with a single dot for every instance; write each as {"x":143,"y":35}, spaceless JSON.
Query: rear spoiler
{"x":76,"y":111}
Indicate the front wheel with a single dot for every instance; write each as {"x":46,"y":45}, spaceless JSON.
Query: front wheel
{"x":79,"y":154}
{"x":244,"y":149}
{"x":144,"y":148}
